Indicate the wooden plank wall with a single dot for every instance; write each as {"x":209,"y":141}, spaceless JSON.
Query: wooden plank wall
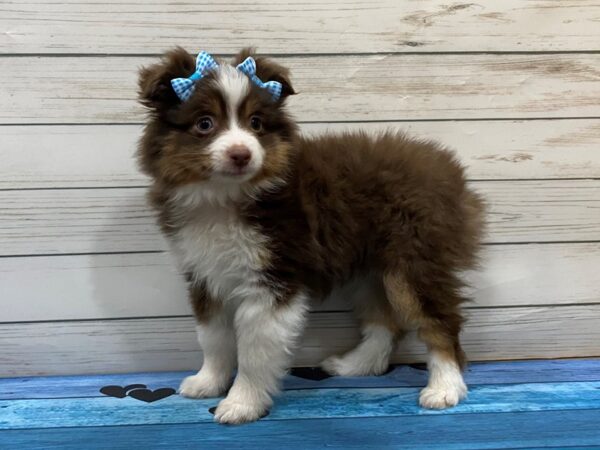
{"x":513,"y":86}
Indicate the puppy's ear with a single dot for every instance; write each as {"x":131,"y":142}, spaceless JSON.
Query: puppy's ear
{"x":268,"y":70}
{"x":155,"y":90}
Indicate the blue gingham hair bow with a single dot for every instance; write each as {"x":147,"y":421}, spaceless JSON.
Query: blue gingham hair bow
{"x":248,"y":66}
{"x":184,"y":87}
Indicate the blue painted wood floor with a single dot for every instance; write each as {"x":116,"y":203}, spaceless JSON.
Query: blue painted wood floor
{"x":529,"y":404}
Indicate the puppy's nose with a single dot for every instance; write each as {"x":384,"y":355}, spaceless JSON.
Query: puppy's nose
{"x":239,"y":155}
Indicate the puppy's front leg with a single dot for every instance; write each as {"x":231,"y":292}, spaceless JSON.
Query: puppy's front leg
{"x":266,"y":335}
{"x":217,"y":340}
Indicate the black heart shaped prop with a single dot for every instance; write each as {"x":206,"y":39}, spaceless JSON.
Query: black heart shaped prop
{"x":118,"y":391}
{"x":148,"y":396}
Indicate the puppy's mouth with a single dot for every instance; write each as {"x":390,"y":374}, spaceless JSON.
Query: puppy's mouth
{"x":237,"y":173}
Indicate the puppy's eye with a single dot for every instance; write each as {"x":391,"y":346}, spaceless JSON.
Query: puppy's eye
{"x":255,"y":123}
{"x":205,"y":125}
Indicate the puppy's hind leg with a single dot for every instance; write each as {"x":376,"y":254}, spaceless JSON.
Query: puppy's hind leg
{"x":379,"y":331}
{"x":435,"y":311}
{"x":446,"y":386}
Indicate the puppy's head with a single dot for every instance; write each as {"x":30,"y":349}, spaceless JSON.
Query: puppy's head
{"x":229,"y":132}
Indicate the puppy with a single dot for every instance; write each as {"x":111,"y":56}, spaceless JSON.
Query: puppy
{"x":262,"y":219}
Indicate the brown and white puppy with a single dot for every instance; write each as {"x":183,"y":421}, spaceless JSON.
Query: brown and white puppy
{"x":262,"y":219}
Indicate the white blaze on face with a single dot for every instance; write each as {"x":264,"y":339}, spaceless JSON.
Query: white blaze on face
{"x":235,"y":86}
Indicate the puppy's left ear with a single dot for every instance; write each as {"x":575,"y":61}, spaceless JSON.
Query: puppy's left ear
{"x":155,"y":90}
{"x":268,"y":70}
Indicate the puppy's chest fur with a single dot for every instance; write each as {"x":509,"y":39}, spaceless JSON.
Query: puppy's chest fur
{"x":217,"y":248}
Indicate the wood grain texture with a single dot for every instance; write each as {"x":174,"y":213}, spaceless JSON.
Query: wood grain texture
{"x":576,"y":430}
{"x":118,"y":220}
{"x":496,"y":372}
{"x":77,"y":347}
{"x":85,"y":70}
{"x":361,"y":88}
{"x":102,"y":155}
{"x":298,"y":404}
{"x":76,"y":287}
{"x":298,"y":26}
{"x":69,"y":156}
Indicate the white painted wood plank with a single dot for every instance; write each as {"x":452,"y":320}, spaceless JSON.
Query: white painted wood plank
{"x":88,"y":287}
{"x":378,"y":87}
{"x":536,"y":274}
{"x":539,"y":211}
{"x":298,"y":26}
{"x":69,"y":156}
{"x":57,"y":221}
{"x":102,"y":155}
{"x":76,"y":221}
{"x":56,"y":348}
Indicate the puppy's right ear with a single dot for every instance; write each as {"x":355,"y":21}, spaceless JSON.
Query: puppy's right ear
{"x":155,"y":90}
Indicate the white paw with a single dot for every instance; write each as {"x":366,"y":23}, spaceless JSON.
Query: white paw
{"x":348,"y":367}
{"x":202,"y":386}
{"x":442,"y":397}
{"x":235,"y":412}
{"x":332,"y":365}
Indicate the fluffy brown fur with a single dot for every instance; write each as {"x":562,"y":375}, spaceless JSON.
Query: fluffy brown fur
{"x":390,"y":210}
{"x":357,"y":204}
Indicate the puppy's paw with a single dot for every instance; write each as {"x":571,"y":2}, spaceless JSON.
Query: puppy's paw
{"x":349,"y":366}
{"x":440,"y":397}
{"x":235,"y":412}
{"x":202,"y":386}
{"x":333,"y":365}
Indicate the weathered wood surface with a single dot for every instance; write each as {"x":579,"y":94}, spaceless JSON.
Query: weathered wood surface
{"x":361,"y":88}
{"x":102,"y":155}
{"x":574,"y":429}
{"x":108,"y":346}
{"x":511,"y":405}
{"x":119,"y":220}
{"x":76,"y":287}
{"x":496,"y":372}
{"x":299,"y":26}
{"x":298,"y":404}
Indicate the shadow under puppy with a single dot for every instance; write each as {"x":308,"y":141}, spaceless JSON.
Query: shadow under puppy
{"x":262,"y":219}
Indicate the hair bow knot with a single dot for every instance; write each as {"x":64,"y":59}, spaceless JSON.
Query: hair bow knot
{"x":184,"y":87}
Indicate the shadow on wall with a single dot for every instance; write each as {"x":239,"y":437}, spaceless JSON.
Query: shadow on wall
{"x":137,"y":289}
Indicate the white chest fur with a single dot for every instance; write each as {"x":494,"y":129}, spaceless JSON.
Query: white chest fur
{"x":220,"y":250}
